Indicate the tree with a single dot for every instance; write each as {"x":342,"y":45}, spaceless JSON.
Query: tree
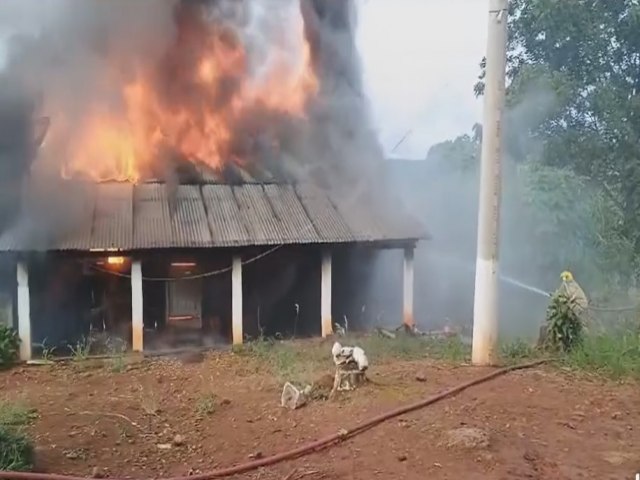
{"x":574,"y":96}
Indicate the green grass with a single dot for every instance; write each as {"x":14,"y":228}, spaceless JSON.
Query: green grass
{"x":614,"y":355}
{"x":16,"y":415}
{"x":206,"y":405}
{"x":301,"y":362}
{"x":16,"y":451}
{"x":518,"y":351}
{"x":81,"y":350}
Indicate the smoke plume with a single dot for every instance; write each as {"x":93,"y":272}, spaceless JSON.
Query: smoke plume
{"x":117,"y":80}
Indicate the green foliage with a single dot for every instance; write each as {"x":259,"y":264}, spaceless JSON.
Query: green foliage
{"x":297,"y":364}
{"x":46,"y":352}
{"x":81,"y":350}
{"x":206,"y":405}
{"x":573,"y":223}
{"x":9,"y":346}
{"x":574,"y":104}
{"x":517,"y":351}
{"x":564,"y":329}
{"x":614,"y":355}
{"x":15,"y":414}
{"x":461,"y":153}
{"x":16,"y":451}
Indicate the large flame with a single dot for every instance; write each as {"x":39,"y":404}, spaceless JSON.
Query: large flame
{"x":191,"y":102}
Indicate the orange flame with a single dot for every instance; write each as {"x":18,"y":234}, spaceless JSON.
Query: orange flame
{"x":194,"y":109}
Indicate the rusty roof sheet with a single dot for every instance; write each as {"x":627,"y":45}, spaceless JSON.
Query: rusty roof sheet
{"x":148,"y":216}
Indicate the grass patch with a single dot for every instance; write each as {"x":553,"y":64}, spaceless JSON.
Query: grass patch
{"x":301,"y":362}
{"x":407,"y":347}
{"x":16,"y":451}
{"x":81,"y":350}
{"x":118,"y":350}
{"x":286,"y":360}
{"x":518,"y":351}
{"x":16,"y":415}
{"x":206,"y":405}
{"x":614,"y":355}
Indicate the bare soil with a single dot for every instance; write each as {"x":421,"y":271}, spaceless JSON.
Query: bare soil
{"x":177,"y":417}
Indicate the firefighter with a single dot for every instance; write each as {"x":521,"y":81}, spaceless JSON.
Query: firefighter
{"x":572,"y":290}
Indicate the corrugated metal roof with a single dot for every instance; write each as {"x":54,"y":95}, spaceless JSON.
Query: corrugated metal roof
{"x":189,"y":218}
{"x":153,"y":222}
{"x":148,"y":216}
{"x":113,"y":217}
{"x":223,"y":216}
{"x":322,"y":213}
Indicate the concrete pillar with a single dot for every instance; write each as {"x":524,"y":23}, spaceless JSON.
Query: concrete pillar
{"x":407,"y":291}
{"x":137,"y":318}
{"x":24,"y":311}
{"x":325,"y":295}
{"x":236,"y":300}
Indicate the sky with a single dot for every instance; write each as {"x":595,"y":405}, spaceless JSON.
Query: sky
{"x":420,"y":61}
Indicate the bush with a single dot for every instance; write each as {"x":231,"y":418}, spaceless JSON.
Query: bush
{"x":564,"y":330}
{"x":16,"y":452}
{"x":9,"y":346}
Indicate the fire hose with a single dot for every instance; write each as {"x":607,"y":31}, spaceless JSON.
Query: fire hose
{"x":315,"y":446}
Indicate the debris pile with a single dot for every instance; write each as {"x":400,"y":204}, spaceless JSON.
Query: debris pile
{"x":293,"y":397}
{"x":351,"y":365}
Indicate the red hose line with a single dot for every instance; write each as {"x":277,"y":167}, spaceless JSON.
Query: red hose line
{"x":310,"y":447}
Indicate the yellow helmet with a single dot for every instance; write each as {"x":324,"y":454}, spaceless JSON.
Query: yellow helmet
{"x":566,"y":276}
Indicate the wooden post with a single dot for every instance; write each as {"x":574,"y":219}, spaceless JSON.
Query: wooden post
{"x":236,"y":300}
{"x":407,"y":303}
{"x":137,"y":315}
{"x":325,"y":295}
{"x":24,"y":311}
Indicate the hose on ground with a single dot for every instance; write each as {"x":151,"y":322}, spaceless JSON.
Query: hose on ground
{"x":310,"y":447}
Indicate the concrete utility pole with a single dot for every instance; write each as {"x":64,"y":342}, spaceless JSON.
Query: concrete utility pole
{"x":485,"y":308}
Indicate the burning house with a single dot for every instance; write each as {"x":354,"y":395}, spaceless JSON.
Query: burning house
{"x":211,"y":178}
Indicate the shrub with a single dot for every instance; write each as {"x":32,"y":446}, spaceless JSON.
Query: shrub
{"x":9,"y":346}
{"x":564,"y":330}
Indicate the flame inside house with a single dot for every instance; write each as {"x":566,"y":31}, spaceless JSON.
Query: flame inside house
{"x":206,"y":98}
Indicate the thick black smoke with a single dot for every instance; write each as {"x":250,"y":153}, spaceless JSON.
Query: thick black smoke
{"x":60,"y":53}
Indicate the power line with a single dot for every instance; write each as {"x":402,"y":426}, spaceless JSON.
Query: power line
{"x":212,"y":273}
{"x":191,"y":277}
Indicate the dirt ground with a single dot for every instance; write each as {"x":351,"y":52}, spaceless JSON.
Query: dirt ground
{"x":543,"y":423}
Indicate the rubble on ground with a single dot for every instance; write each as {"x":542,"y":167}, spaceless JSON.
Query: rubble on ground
{"x":351,"y":365}
{"x":468,"y":438}
{"x":293,"y":397}
{"x":411,"y":330}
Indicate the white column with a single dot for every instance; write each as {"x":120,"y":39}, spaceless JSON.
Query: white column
{"x":24,"y":311}
{"x":236,"y":300}
{"x":485,"y":306}
{"x":407,"y":288}
{"x":325,"y":295}
{"x":137,"y":318}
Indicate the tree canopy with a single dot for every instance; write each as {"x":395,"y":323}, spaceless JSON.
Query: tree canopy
{"x":573,"y":107}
